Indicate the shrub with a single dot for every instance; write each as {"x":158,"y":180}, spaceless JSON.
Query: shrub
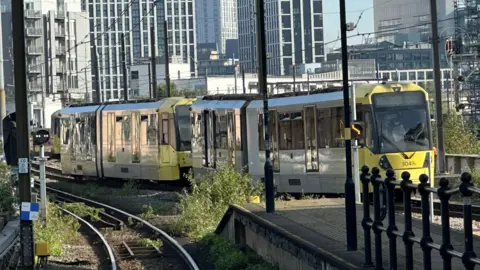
{"x":459,"y":135}
{"x":204,"y":207}
{"x":58,"y":230}
{"x":7,"y":197}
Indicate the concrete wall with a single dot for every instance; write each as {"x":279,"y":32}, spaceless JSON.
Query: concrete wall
{"x":270,"y":245}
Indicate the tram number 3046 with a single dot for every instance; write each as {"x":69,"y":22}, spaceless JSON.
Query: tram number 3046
{"x":409,"y":163}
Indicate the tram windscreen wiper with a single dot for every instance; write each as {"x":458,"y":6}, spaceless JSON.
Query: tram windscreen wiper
{"x":394,"y":145}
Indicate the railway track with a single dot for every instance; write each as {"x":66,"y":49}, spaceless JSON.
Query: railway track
{"x":56,"y":174}
{"x":129,"y":249}
{"x":111,"y":262}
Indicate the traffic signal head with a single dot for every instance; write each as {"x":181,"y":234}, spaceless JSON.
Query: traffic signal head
{"x":357,"y":130}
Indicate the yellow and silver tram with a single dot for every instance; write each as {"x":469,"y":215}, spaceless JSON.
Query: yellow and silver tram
{"x":307,"y":135}
{"x":135,"y":140}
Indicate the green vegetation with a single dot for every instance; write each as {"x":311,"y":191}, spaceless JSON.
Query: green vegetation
{"x":147,"y":242}
{"x":205,"y":206}
{"x":7,"y":196}
{"x":459,"y":135}
{"x":82,"y":210}
{"x":59,"y":230}
{"x":226,"y":256}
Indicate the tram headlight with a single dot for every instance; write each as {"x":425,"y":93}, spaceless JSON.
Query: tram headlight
{"x":384,"y":163}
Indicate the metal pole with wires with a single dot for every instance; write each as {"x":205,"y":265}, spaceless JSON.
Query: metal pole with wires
{"x":438,"y":87}
{"x":350,"y":210}
{"x":124,"y":67}
{"x":167,"y":58}
{"x":262,"y":88}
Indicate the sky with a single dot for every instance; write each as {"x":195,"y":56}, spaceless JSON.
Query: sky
{"x":331,"y":20}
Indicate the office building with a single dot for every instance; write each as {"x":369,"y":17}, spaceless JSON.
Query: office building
{"x":409,"y":19}
{"x":216,"y":22}
{"x":389,"y":56}
{"x":293,"y":32}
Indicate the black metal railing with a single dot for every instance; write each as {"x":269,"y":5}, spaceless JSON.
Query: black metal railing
{"x":386,"y":201}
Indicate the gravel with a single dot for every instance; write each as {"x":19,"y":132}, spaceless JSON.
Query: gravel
{"x":78,"y":255}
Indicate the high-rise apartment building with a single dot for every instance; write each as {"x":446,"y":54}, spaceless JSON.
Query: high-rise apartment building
{"x":182,"y":34}
{"x":109,"y":19}
{"x":293,"y":32}
{"x":408,"y":20}
{"x":58,"y":69}
{"x":216,"y":22}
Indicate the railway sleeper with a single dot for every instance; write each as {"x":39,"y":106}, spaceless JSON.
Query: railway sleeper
{"x":132,"y":250}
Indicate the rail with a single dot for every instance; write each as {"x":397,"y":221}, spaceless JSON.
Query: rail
{"x":444,"y":193}
{"x":187,"y":259}
{"x":9,"y":253}
{"x":113,"y":264}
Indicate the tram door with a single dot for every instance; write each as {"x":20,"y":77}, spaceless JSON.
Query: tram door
{"x":311,"y":149}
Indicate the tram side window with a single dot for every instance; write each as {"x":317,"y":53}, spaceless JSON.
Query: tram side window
{"x":165,"y":129}
{"x":261,"y":133}
{"x":93,"y":129}
{"x":66,"y":131}
{"x":221,"y":132}
{"x":368,"y":130}
{"x":152,"y":130}
{"x":291,"y":131}
{"x":330,"y":128}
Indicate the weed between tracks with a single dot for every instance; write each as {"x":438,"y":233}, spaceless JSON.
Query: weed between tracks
{"x":59,"y":230}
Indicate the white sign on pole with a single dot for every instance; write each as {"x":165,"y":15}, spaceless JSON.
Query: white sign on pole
{"x":23,"y":165}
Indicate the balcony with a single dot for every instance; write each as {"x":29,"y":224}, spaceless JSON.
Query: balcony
{"x":59,"y":32}
{"x":35,"y":87}
{"x":60,"y":69}
{"x":60,"y":50}
{"x":34,"y":50}
{"x":34,"y":32}
{"x":33,"y":14}
{"x":34,"y":68}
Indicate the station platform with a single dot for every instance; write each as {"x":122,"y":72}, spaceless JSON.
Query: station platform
{"x":311,"y":234}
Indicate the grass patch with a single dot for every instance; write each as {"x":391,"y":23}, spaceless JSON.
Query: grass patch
{"x":202,"y":209}
{"x":226,"y":256}
{"x":57,"y":231}
{"x":147,"y":242}
{"x":83,"y":210}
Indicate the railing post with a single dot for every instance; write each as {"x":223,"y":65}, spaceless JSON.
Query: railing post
{"x":378,"y":221}
{"x":408,"y":233}
{"x":364,"y":177}
{"x":445,"y":214}
{"x":426,"y":238}
{"x":467,"y":219}
{"x":391,"y":218}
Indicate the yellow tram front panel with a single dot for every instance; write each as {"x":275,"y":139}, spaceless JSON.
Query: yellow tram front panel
{"x":397,"y":130}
